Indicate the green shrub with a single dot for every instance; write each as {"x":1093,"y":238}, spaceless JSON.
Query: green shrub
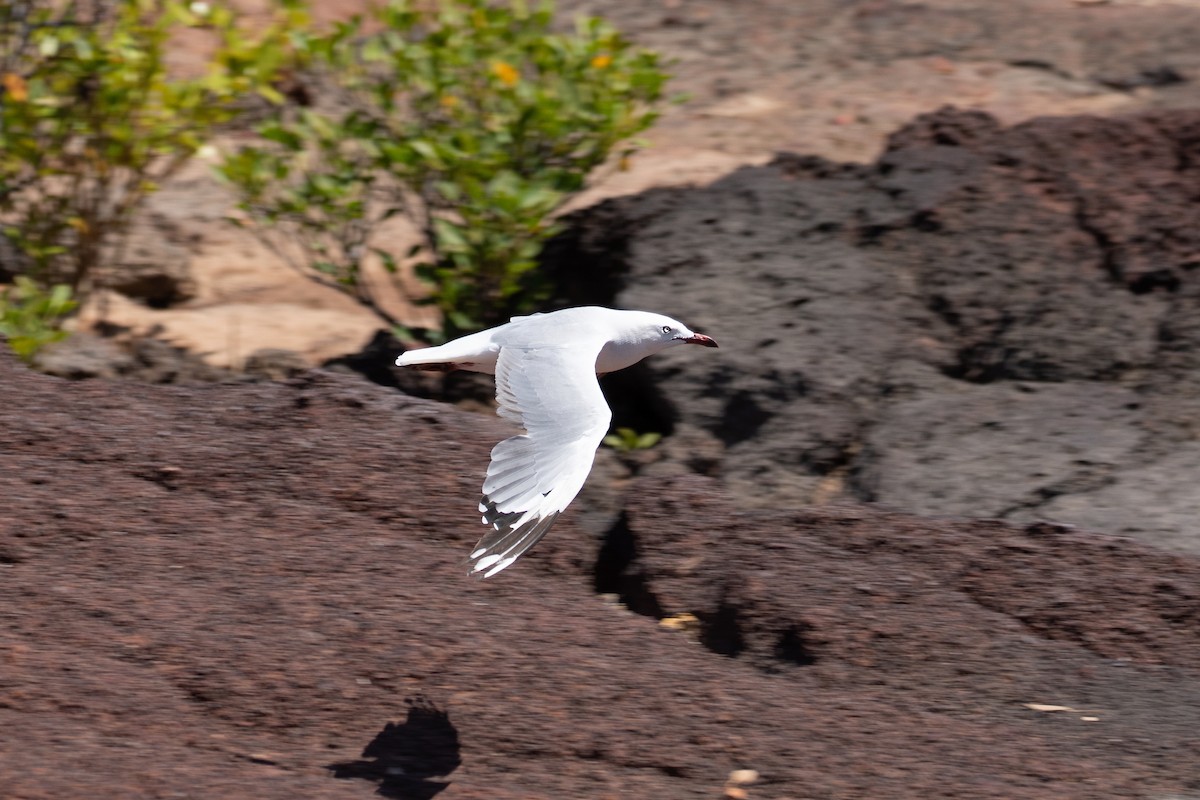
{"x":91,"y":122}
{"x":30,"y":315}
{"x":475,"y":120}
{"x":627,"y":440}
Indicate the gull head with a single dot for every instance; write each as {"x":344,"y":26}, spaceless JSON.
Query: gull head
{"x":633,"y":335}
{"x":658,"y":333}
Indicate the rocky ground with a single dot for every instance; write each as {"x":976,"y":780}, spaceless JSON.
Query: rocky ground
{"x":255,"y":587}
{"x":258,"y":590}
{"x":985,"y":321}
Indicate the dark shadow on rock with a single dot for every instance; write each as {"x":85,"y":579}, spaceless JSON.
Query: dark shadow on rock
{"x":587,"y":262}
{"x":403,"y":758}
{"x":637,"y":402}
{"x":743,"y":417}
{"x":377,"y":363}
{"x":793,"y":648}
{"x":617,"y":571}
{"x":722,"y":630}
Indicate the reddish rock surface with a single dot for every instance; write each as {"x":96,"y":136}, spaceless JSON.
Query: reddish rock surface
{"x":258,"y":591}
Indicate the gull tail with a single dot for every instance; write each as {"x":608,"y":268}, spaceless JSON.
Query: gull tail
{"x":475,"y":352}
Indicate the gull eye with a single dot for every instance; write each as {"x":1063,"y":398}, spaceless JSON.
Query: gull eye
{"x":666,"y":328}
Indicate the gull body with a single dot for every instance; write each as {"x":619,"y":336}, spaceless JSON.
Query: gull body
{"x":546,"y":367}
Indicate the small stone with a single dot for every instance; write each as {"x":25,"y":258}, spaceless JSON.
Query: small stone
{"x":743,"y":777}
{"x":681,"y":622}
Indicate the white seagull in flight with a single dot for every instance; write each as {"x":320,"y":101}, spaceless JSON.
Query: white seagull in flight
{"x":546,"y":367}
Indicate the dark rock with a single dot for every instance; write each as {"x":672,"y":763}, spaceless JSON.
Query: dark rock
{"x":146,"y":359}
{"x":1124,"y":46}
{"x":13,"y":262}
{"x":865,"y":313}
{"x":152,"y":268}
{"x":377,"y":363}
{"x":84,"y":355}
{"x":157,"y":361}
{"x":274,"y":364}
{"x":970,"y":450}
{"x":1153,"y":76}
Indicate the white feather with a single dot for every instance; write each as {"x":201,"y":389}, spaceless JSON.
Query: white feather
{"x":545,"y":367}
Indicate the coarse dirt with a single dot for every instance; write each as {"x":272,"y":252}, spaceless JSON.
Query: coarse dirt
{"x":258,"y":590}
{"x":252,"y":589}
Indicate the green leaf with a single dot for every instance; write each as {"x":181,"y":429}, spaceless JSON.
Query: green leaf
{"x":450,"y":238}
{"x":478,"y":118}
{"x":427,"y":151}
{"x":107,"y":121}
{"x":648,"y":440}
{"x":389,"y":262}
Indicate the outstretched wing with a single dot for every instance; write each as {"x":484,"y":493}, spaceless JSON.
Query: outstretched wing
{"x":553,"y":393}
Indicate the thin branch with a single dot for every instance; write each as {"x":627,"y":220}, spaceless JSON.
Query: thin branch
{"x":365,"y":300}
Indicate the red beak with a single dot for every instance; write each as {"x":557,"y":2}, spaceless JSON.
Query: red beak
{"x":700,"y":338}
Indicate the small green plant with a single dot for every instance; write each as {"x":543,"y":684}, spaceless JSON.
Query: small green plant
{"x":312,"y":194}
{"x":475,"y":120}
{"x":627,"y":440}
{"x":92,"y":121}
{"x":30,"y":315}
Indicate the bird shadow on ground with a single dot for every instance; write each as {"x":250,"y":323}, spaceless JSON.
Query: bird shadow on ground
{"x":403,"y":757}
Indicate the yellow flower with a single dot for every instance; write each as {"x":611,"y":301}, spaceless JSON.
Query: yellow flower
{"x":448,"y":101}
{"x":507,"y":73}
{"x":14,"y":84}
{"x":601,"y":61}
